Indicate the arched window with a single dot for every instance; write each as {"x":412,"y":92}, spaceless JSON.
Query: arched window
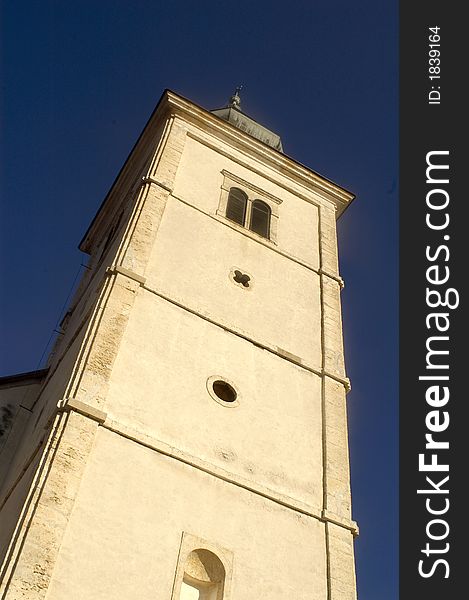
{"x":236,"y":207}
{"x":204,"y":577}
{"x":260,"y":218}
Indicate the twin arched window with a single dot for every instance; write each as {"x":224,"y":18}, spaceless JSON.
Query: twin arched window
{"x":255,"y":215}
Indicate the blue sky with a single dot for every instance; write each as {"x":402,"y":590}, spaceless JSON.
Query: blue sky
{"x":79,"y":81}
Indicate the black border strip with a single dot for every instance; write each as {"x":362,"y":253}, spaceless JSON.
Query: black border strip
{"x":432,"y":249}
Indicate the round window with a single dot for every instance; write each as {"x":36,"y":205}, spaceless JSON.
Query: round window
{"x":223,"y":392}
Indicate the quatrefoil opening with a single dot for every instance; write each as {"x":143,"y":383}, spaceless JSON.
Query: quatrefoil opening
{"x":241,"y":278}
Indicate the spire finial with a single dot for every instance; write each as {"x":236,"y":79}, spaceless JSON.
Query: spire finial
{"x":235,"y":100}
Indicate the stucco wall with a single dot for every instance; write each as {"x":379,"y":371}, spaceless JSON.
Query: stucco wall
{"x":158,"y":386}
{"x":191,"y":263}
{"x":135,"y":504}
{"x":199,"y":180}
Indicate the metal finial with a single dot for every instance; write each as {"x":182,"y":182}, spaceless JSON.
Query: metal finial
{"x":235,"y":100}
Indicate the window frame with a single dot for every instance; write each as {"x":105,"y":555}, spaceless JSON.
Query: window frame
{"x":253,"y":193}
{"x":268,"y":212}
{"x":209,"y":385}
{"x":234,"y":193}
{"x":200,"y":586}
{"x":191,"y":542}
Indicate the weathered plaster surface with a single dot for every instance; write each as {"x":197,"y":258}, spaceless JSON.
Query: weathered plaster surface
{"x":159,"y":387}
{"x":191,"y":263}
{"x":134,"y":531}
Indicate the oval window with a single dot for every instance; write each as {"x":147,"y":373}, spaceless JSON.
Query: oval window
{"x":224,"y":391}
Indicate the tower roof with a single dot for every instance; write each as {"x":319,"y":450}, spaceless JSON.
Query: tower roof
{"x":234,"y":115}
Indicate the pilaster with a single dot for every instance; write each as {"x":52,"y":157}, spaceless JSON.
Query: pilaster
{"x":31,"y":557}
{"x":341,"y":564}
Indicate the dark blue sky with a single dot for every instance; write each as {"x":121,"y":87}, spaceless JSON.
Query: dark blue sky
{"x":79,"y":81}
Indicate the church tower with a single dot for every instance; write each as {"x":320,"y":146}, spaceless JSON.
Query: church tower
{"x":188,"y":440}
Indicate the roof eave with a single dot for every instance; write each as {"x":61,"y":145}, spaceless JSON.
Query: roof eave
{"x":171,"y":103}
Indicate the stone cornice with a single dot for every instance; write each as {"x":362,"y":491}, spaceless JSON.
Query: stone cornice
{"x":152,"y":443}
{"x":173,"y":105}
{"x":280,"y":352}
{"x":302,"y":175}
{"x":254,"y":188}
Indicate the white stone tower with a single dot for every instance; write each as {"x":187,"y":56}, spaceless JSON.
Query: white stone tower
{"x":189,"y":437}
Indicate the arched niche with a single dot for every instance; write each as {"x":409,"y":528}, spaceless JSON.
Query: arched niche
{"x":203,"y":577}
